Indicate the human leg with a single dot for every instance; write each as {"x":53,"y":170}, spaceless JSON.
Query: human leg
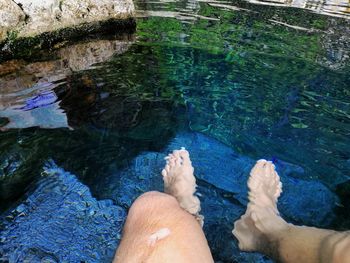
{"x":162,"y":227}
{"x":262,"y":229}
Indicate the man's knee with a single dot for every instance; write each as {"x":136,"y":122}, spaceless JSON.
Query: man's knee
{"x":151,"y":201}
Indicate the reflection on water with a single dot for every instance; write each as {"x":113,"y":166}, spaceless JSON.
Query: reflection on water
{"x":27,"y":86}
{"x":241,"y":72}
{"x":224,"y":27}
{"x":340,"y":8}
{"x":336,"y":8}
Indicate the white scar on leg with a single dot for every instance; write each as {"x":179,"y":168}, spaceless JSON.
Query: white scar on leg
{"x":160,"y":234}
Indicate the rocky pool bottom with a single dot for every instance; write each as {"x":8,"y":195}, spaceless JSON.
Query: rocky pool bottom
{"x":60,"y":221}
{"x":85,"y":125}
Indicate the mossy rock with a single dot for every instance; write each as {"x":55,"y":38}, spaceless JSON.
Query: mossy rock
{"x":28,"y":47}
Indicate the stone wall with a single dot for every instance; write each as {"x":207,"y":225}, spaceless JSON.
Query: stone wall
{"x":26,"y":18}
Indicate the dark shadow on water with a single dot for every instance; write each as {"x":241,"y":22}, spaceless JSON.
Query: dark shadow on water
{"x":110,"y":120}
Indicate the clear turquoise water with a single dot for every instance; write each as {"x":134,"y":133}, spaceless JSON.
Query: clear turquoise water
{"x":268,"y":81}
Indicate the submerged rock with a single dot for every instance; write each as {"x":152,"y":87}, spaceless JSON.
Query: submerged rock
{"x":222,"y":167}
{"x":218,"y":165}
{"x":18,"y":167}
{"x":222,"y":176}
{"x":62,"y":211}
{"x":24,"y":18}
{"x":61,"y":222}
{"x":218,"y":206}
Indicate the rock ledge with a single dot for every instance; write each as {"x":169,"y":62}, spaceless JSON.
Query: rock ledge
{"x":28,"y":18}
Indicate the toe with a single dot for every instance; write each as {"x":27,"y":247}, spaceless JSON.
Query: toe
{"x":177,"y":158}
{"x":170,"y":159}
{"x":185,"y":157}
{"x":167,"y":168}
{"x":270,"y":169}
{"x":176,"y":153}
{"x":178,"y":161}
{"x":279,"y":191}
{"x":258,"y":168}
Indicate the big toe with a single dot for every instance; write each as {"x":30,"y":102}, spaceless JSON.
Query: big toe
{"x":258,"y":168}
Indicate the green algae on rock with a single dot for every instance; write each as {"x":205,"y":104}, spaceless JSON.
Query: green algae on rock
{"x":27,"y":26}
{"x":29,"y":47}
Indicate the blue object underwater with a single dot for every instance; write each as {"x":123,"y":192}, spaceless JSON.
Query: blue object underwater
{"x":43,"y":99}
{"x":61,"y":210}
{"x":231,"y":82}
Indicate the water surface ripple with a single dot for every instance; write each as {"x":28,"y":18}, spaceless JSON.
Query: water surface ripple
{"x":241,"y":80}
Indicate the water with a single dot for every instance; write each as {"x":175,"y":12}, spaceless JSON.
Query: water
{"x":264,"y":79}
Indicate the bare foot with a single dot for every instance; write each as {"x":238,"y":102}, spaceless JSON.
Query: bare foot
{"x":264,"y":185}
{"x":261,"y":220}
{"x":180,"y":182}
